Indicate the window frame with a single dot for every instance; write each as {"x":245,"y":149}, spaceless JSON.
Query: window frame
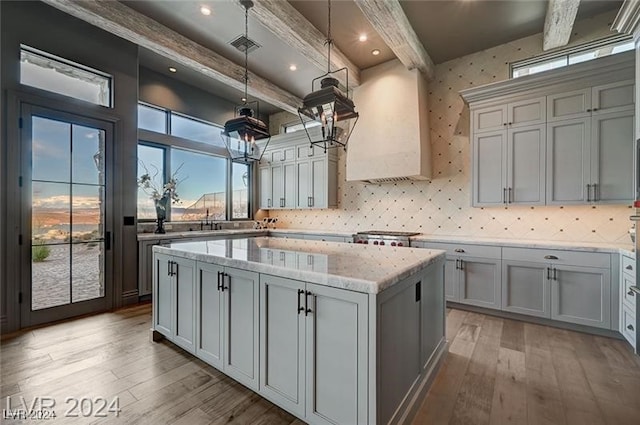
{"x":568,"y":53}
{"x":168,"y":141}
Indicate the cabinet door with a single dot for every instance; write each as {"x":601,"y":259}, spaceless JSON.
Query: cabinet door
{"x":527,"y":112}
{"x":289,"y":182}
{"x":282,"y":342}
{"x":277,"y":186}
{"x":489,"y":168}
{"x":282,"y":154}
{"x":489,"y":119}
{"x":612,"y":156}
{"x":613,"y":97}
{"x":163,"y":295}
{"x":209,"y":314}
{"x":241,"y":326}
{"x":628,"y":326}
{"x":305,"y":151}
{"x":569,"y":105}
{"x":526,"y":165}
{"x":185,"y":303}
{"x":266,"y":199}
{"x":525,"y":288}
{"x":480,"y":282}
{"x":303,"y":184}
{"x":336,"y":356}
{"x":451,"y":285}
{"x":318,"y":183}
{"x":145,"y":267}
{"x":581,"y":295}
{"x":568,"y":161}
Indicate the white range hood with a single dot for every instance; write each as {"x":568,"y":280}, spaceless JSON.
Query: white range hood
{"x":391,"y":140}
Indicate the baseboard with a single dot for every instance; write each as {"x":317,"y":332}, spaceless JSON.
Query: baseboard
{"x":130,"y":297}
{"x":536,"y":320}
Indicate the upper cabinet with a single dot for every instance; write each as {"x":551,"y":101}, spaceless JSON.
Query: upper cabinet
{"x":561,"y":137}
{"x":295,"y":175}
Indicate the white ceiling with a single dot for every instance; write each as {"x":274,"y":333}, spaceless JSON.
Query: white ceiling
{"x":447,"y":28}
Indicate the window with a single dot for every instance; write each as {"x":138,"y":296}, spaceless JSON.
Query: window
{"x":192,"y":129}
{"x":151,"y":118}
{"x":150,"y":161}
{"x":586,"y":52}
{"x":177,"y":146}
{"x":202,"y":186}
{"x":240,"y":190}
{"x":297,"y":126}
{"x":48,"y":72}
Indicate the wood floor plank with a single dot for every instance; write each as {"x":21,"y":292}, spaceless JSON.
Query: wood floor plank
{"x":509,"y":404}
{"x":512,"y":335}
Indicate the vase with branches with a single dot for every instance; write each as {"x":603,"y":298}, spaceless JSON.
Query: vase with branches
{"x":161,"y":196}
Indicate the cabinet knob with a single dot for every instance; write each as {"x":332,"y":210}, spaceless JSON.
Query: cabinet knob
{"x":589,"y":110}
{"x":595,"y":109}
{"x":630,"y":327}
{"x":629,"y":267}
{"x":550,"y":257}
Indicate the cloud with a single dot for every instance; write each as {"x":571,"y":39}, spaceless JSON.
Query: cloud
{"x":62,"y":202}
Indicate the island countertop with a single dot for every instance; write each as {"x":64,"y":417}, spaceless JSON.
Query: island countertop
{"x":360,"y":268}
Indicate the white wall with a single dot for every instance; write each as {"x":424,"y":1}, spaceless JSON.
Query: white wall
{"x":443,"y":206}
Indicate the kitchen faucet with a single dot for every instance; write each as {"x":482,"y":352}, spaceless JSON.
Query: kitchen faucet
{"x":206,"y":222}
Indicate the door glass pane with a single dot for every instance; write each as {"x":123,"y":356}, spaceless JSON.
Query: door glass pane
{"x":240,"y":187}
{"x":87,"y":271}
{"x":67,"y":255}
{"x":51,"y":144}
{"x":50,"y":276}
{"x":51,"y":213}
{"x":88,"y":165}
{"x":86,"y":217}
{"x":201,"y":186}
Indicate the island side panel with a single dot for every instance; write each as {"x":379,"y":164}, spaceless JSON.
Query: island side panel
{"x":403,"y":311}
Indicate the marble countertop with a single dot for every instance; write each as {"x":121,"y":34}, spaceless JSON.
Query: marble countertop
{"x":360,"y":268}
{"x":524,"y":243}
{"x":200,"y":234}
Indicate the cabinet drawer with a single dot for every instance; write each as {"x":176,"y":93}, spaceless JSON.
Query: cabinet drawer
{"x":629,"y":297}
{"x":465,"y":250}
{"x":628,"y":325}
{"x":629,"y":266}
{"x":569,"y":105}
{"x":557,"y":256}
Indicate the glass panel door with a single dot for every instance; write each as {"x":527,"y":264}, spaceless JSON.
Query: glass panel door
{"x":65,"y":188}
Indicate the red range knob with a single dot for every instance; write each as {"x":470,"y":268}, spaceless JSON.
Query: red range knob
{"x":358,"y":241}
{"x":381,"y":242}
{"x":375,"y":242}
{"x":400,"y":244}
{"x":393,"y":244}
{"x":366,"y":242}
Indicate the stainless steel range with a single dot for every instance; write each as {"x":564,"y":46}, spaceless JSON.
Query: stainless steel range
{"x":383,"y":237}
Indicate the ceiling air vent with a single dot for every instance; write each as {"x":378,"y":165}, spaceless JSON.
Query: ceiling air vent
{"x":243,"y":43}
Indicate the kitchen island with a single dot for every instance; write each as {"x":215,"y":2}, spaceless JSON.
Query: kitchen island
{"x":334,"y":333}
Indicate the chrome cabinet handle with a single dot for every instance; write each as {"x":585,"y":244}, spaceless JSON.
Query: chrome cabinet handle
{"x":588,"y":193}
{"x":458,"y":250}
{"x":550,"y":257}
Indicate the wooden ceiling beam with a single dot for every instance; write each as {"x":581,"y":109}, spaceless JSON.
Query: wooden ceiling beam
{"x":391,"y":23}
{"x":290,"y":26}
{"x":118,"y":19}
{"x":558,"y":24}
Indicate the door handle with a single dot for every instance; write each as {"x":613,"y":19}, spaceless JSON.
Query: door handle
{"x":175,"y":273}
{"x":107,"y":241}
{"x":550,"y":257}
{"x":588,"y":193}
{"x":596,"y":193}
{"x":457,"y":266}
{"x":269,"y":202}
{"x":548,"y":273}
{"x":461,"y":264}
{"x":229,"y":280}
{"x":307,"y":310}
{"x":281,"y":202}
{"x":311,"y":201}
{"x":458,"y":250}
{"x":509,"y":196}
{"x":219,"y":280}
{"x":169,"y":268}
{"x":300,"y":308}
{"x":504,"y":195}
{"x":555,"y":274}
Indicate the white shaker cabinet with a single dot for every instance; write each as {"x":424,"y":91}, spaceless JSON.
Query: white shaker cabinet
{"x":525,"y":288}
{"x":511,"y":115}
{"x":509,"y":166}
{"x":311,"y":337}
{"x":174,"y":300}
{"x":266,"y":189}
{"x":209,"y":314}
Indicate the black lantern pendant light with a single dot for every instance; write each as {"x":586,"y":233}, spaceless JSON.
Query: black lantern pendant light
{"x":246,"y":136}
{"x":329,"y":106}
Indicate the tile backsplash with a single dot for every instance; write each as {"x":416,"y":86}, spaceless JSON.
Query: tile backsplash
{"x":442,"y":206}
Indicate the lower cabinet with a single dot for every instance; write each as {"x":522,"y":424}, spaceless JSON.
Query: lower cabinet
{"x":227,"y":321}
{"x":313,"y":336}
{"x":479,"y":281}
{"x":174,"y":304}
{"x":525,"y":288}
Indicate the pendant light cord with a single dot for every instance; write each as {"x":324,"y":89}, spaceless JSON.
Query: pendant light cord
{"x":329,"y":40}
{"x":246,"y":53}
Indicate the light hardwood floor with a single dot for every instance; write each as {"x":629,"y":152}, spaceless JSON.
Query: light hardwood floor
{"x":498,"y":371}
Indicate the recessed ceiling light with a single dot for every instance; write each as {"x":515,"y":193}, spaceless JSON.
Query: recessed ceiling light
{"x":375,"y":52}
{"x":292,"y":67}
{"x":244,"y":99}
{"x":205,"y":10}
{"x":363,"y":37}
{"x":172,"y":69}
